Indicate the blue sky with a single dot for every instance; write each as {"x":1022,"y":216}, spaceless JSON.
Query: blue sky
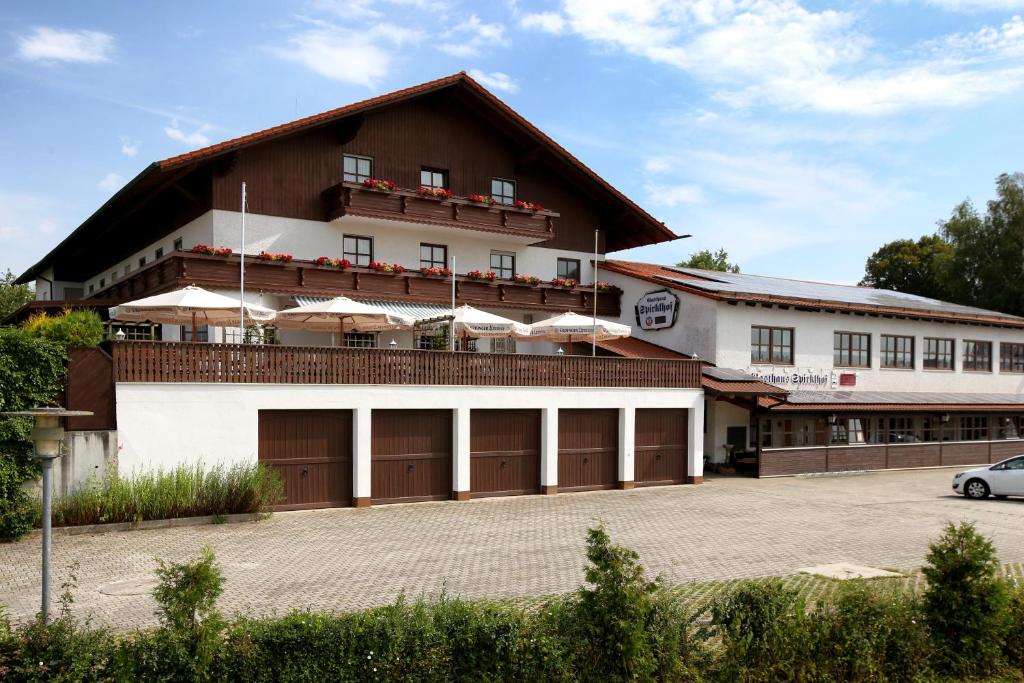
{"x":799,"y":136}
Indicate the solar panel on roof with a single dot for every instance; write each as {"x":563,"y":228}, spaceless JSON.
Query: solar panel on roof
{"x":741,"y":283}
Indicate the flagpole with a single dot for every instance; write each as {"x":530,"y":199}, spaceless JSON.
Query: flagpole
{"x":451,"y":323}
{"x":593,"y":346}
{"x":241,"y":294}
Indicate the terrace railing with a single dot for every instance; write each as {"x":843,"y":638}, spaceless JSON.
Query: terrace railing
{"x":256,"y":364}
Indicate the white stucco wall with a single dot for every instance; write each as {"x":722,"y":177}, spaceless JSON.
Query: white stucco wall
{"x":720,"y":417}
{"x":162,"y":425}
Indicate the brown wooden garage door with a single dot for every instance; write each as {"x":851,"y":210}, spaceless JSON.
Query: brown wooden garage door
{"x":660,"y":446}
{"x":312,"y":449}
{"x":504,"y":452}
{"x":588,"y":449}
{"x":411,"y":455}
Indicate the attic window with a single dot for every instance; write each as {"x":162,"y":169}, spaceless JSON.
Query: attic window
{"x":503,"y":191}
{"x":357,"y":169}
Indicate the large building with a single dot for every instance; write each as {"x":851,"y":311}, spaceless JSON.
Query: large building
{"x":415,"y":178}
{"x":873,"y":379}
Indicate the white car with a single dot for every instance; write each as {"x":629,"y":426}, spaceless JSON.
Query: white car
{"x":1003,"y":479}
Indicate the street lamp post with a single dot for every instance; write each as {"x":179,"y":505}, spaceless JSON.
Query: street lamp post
{"x":47,"y":436}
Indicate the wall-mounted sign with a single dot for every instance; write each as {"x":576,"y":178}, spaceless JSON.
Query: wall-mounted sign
{"x":657,"y":310}
{"x":797,"y":378}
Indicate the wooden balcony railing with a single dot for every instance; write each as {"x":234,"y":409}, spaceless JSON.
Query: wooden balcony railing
{"x":254,"y":364}
{"x":406,"y":205}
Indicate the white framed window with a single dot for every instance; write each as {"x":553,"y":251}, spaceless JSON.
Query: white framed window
{"x":503,"y":191}
{"x":360,"y":340}
{"x":358,"y":249}
{"x":503,"y":264}
{"x":356,"y":169}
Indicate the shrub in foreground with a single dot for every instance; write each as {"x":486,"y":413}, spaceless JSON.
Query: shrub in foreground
{"x":186,"y":491}
{"x":68,"y":328}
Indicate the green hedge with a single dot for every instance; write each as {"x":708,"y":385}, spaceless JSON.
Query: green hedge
{"x":619,"y":626}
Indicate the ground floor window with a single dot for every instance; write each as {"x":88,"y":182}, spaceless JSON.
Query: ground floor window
{"x":465,"y":344}
{"x":1010,"y":427}
{"x":974,"y":428}
{"x":202,"y":333}
{"x":252,"y":334}
{"x":360,"y":340}
{"x":503,"y":345}
{"x":140,"y":332}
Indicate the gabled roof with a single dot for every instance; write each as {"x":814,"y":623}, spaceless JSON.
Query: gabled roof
{"x":152,"y":176}
{"x":735,"y":287}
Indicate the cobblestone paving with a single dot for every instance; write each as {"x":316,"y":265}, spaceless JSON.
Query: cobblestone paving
{"x":509,"y":547}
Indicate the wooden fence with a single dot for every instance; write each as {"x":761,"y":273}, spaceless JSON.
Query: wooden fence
{"x":255,"y":364}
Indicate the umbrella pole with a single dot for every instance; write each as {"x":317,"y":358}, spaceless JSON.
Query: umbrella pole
{"x":341,"y":333}
{"x":193,"y":326}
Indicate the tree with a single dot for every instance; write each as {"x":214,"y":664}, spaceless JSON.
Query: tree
{"x":911,"y":267}
{"x":705,"y":259}
{"x":12,"y":296}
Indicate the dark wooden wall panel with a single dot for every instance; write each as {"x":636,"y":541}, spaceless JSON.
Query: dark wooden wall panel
{"x":661,"y":446}
{"x":312,"y":450}
{"x":588,"y":449}
{"x":411,"y":455}
{"x":90,"y":386}
{"x":504,"y":452}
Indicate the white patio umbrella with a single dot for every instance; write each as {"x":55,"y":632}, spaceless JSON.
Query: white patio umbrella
{"x":569,"y":326}
{"x":342,"y":313}
{"x":476,"y":323}
{"x":190,"y":305}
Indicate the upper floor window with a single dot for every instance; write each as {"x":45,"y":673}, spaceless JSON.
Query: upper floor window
{"x":142,"y":261}
{"x":851,"y":350}
{"x":357,"y":249}
{"x":103,"y":282}
{"x":977,"y":355}
{"x":433,"y":255}
{"x":1011,"y":357}
{"x":91,"y":288}
{"x":503,"y":264}
{"x":897,"y":352}
{"x":503,"y":191}
{"x":771,"y":345}
{"x":433,"y":178}
{"x":113,"y":276}
{"x":357,"y":168}
{"x":938,"y":353}
{"x":177,"y":244}
{"x":569,"y":269}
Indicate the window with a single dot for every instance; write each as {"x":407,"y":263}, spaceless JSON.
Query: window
{"x":569,"y":269}
{"x":103,"y":283}
{"x":127,"y":269}
{"x":252,"y":334}
{"x":503,"y":191}
{"x":360,"y":340}
{"x":977,"y":356}
{"x":1011,"y":357}
{"x":1015,"y":464}
{"x":851,"y":350}
{"x":91,"y":288}
{"x":357,"y":249}
{"x":202,"y":333}
{"x":113,"y":276}
{"x":802,"y":432}
{"x":158,"y":253}
{"x":931,"y":428}
{"x":434,"y":178}
{"x":465,"y":344}
{"x":974,"y":428}
{"x":901,"y":430}
{"x":142,"y":261}
{"x":771,"y":345}
{"x":433,"y":255}
{"x":897,"y":352}
{"x":1010,"y":427}
{"x":356,"y":168}
{"x":938,"y":353}
{"x":766,"y":433}
{"x":143,"y":332}
{"x":177,"y":244}
{"x":503,"y":345}
{"x":503,"y":264}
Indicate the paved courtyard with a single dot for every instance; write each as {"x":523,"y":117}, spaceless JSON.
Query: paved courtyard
{"x":502,"y":547}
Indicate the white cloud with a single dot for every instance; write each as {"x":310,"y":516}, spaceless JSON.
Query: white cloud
{"x":196,"y":138}
{"x":548,"y":22}
{"x":112,"y":182}
{"x":674,"y":195}
{"x":778,"y":53}
{"x":977,"y":5}
{"x":495,"y":80}
{"x":471,"y":36}
{"x":360,"y":56}
{"x":129,"y":147}
{"x":658,"y":165}
{"x":47,"y":44}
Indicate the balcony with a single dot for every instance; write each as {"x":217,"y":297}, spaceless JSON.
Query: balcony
{"x":255,"y":364}
{"x":353,"y":199}
{"x":309,"y":279}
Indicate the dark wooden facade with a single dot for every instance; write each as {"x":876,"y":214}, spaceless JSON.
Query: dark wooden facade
{"x":504,"y":452}
{"x":660,"y":446}
{"x":411,"y":455}
{"x":588,"y":449}
{"x":312,"y":451}
{"x":90,"y":386}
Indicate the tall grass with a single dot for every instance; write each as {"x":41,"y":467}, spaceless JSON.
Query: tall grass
{"x":185,"y":491}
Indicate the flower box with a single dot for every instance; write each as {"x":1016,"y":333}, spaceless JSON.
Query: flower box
{"x":435,"y":272}
{"x":270,"y":256}
{"x":566,"y":283}
{"x":528,"y":206}
{"x":531,"y":280}
{"x":489,"y":276}
{"x":382,"y":267}
{"x":211,"y":251}
{"x":434,"y":192}
{"x":380,"y":184}
{"x":601,"y":286}
{"x":339,"y":263}
{"x":480,"y":199}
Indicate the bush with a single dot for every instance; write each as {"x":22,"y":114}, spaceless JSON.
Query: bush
{"x":186,"y":491}
{"x":1015,"y":640}
{"x":763,"y":628}
{"x":966,"y":602}
{"x":69,"y":328}
{"x":32,"y":373}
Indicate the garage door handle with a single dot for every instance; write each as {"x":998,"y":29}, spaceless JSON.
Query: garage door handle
{"x":586,"y":460}
{"x":658,"y":456}
{"x":503,"y":463}
{"x":412,"y":467}
{"x":305,"y":471}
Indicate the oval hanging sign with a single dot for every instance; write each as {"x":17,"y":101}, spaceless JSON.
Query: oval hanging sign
{"x":657,"y":310}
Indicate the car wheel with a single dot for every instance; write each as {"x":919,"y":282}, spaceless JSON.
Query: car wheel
{"x":976,"y":489}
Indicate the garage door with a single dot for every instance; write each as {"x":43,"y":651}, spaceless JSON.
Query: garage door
{"x":660,"y":446}
{"x":411,"y":455}
{"x":504,"y":452}
{"x":312,"y":450}
{"x":588,"y":449}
